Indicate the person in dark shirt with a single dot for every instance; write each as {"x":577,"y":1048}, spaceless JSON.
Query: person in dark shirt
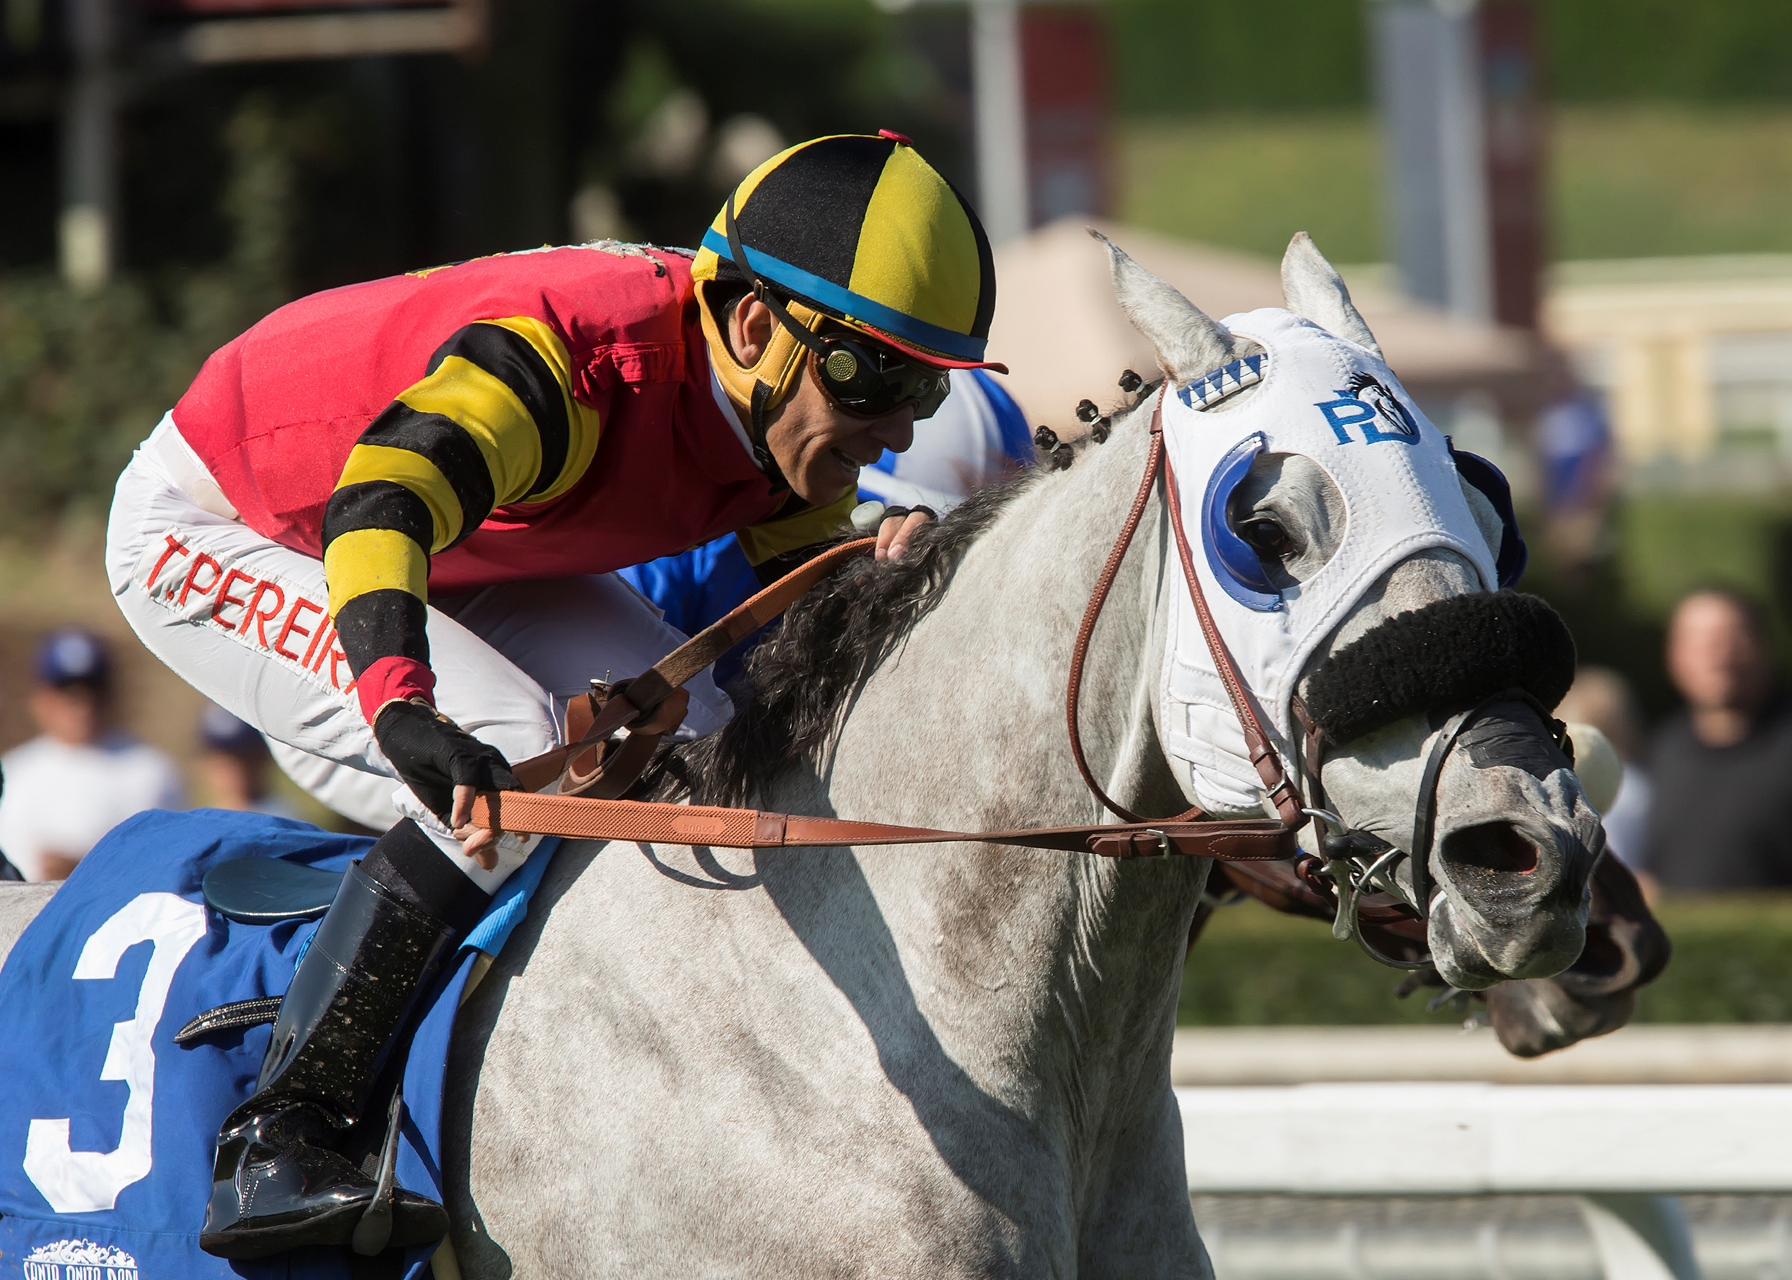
{"x":1723,"y":766}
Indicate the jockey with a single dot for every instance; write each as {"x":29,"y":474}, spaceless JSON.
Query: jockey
{"x":382,"y":528}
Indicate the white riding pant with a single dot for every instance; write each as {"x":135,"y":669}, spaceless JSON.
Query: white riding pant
{"x":245,"y":621}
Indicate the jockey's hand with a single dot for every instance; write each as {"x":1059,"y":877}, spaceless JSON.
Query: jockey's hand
{"x":478,"y":843}
{"x":444,"y":766}
{"x":899,"y":526}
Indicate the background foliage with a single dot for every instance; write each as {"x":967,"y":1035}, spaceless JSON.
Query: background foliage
{"x":83,"y":379}
{"x":1181,"y":56}
{"x":1255,"y":968}
{"x":1662,"y":546}
{"x":1625,"y":179}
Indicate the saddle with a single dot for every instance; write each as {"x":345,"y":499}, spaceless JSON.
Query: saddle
{"x":261,"y":891}
{"x":268,"y":890}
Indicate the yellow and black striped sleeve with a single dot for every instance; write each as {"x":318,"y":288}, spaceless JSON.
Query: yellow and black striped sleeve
{"x":492,"y":422}
{"x":785,"y":542}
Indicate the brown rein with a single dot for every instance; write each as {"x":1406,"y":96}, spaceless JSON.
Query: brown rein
{"x":649,"y":706}
{"x":633,"y":703}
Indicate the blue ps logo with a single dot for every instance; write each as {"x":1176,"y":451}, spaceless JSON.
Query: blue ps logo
{"x":1370,"y":406}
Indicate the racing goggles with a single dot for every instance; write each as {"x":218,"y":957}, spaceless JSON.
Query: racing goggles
{"x":868,"y":379}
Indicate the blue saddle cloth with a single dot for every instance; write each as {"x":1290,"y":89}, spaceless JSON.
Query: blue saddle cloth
{"x":107,"y":1131}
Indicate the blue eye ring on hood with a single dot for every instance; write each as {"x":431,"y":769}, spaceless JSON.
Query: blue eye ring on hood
{"x":1510,"y":556}
{"x":1235,"y":565}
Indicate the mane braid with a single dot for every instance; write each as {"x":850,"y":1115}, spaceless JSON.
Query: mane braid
{"x":799,"y":682}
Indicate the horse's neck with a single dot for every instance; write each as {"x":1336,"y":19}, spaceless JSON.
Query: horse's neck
{"x":966,"y":719}
{"x":1049,"y":977}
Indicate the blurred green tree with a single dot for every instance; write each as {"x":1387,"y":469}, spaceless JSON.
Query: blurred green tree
{"x":1180,"y":56}
{"x":84,"y":379}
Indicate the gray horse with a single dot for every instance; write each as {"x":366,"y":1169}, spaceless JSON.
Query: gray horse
{"x":944,"y":1060}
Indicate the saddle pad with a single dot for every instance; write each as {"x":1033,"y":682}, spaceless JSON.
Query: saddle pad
{"x":107,"y":1131}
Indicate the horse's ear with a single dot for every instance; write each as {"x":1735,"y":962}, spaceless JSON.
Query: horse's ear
{"x":1314,"y":289}
{"x":1188,"y":342}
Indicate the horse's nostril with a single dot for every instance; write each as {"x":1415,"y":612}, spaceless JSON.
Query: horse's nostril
{"x":1493,"y":846}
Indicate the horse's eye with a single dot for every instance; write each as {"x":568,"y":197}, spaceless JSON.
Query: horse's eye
{"x":1267,"y":538}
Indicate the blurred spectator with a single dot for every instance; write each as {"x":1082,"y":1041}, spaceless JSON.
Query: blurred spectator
{"x":7,"y":870}
{"x":1722,"y":767}
{"x":1602,"y":698}
{"x":236,"y":765}
{"x":80,"y":776}
{"x":1573,"y":441}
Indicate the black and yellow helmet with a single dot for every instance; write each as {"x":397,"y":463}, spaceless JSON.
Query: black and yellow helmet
{"x":862,"y":229}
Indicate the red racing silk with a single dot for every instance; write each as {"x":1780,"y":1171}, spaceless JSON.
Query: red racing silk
{"x":275,"y":414}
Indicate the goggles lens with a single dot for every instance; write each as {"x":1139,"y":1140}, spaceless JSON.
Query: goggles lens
{"x":870,"y":380}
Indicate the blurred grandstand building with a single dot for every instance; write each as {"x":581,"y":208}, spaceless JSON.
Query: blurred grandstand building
{"x":1694,"y":358}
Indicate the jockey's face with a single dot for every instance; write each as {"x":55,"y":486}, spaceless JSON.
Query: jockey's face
{"x":818,"y":445}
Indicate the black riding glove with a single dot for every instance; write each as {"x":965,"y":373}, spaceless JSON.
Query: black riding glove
{"x":433,"y":755}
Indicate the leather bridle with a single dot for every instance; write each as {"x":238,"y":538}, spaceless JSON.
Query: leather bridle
{"x":595,"y":770}
{"x":1276,"y":783}
{"x":1360,"y":865}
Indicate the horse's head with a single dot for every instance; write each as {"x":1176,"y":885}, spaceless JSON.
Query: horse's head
{"x":1353,"y":563}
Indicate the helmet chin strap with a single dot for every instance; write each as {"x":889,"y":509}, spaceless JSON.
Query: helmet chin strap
{"x":762,"y":453}
{"x":755,"y":388}
{"x":761,"y":397}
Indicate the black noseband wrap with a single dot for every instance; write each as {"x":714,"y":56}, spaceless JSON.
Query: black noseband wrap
{"x":1443,"y":658}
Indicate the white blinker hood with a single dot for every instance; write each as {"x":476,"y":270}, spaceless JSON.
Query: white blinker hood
{"x":1339,"y":405}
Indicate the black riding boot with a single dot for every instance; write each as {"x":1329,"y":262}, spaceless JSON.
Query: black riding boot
{"x":277,"y":1184}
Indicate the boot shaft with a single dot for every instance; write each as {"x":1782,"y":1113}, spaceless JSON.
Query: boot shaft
{"x":352,"y":995}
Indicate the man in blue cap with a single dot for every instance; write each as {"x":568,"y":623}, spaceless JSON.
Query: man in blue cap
{"x":81,"y":776}
{"x":235,"y":767}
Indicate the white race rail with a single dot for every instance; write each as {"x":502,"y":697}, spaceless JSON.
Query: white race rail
{"x":1472,"y":1139}
{"x":1627,"y":1150}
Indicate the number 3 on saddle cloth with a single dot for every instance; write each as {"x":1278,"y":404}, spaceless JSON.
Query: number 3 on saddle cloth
{"x":107,"y":1131}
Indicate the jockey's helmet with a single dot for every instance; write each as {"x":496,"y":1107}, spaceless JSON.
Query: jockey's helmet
{"x":860,"y":231}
